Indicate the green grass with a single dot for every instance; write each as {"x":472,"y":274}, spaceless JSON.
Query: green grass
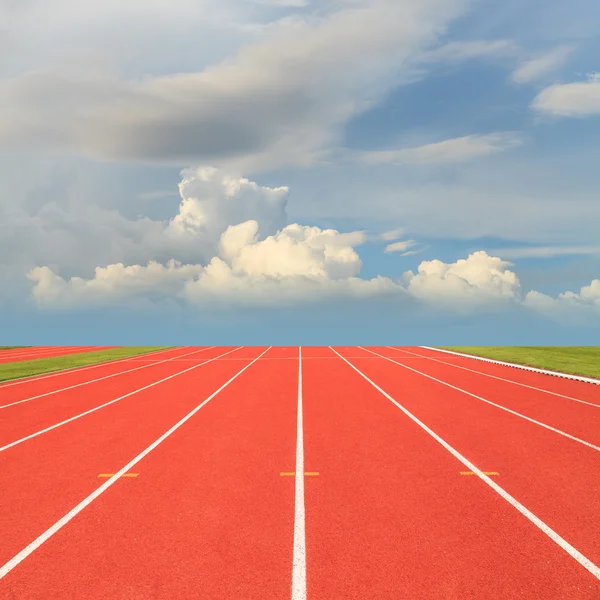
{"x":26,"y":368}
{"x":12,"y":347}
{"x":576,"y":360}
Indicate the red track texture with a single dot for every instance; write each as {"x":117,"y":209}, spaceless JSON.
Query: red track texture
{"x":20,"y":354}
{"x":211,"y":513}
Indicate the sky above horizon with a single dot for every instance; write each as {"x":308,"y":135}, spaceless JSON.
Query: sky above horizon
{"x":299,"y":172}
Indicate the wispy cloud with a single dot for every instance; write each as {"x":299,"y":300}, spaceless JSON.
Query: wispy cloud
{"x":455,"y":150}
{"x":545,"y":251}
{"x":400,"y":246}
{"x":460,"y":51}
{"x":391,"y":235}
{"x":542,"y":65}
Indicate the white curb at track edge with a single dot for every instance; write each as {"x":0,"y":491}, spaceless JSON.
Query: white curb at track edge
{"x":516,"y":366}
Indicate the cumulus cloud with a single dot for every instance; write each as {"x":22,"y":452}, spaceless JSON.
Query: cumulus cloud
{"x":212,"y":199}
{"x":542,"y":65}
{"x":276,"y":102}
{"x":453,"y":150}
{"x":298,"y":263}
{"x":230,"y":245}
{"x":112,"y":284}
{"x":568,"y":307}
{"x":578,"y":99}
{"x":478,"y":282}
{"x":77,"y":237}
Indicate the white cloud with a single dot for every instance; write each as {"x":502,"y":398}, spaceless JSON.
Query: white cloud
{"x":297,"y":264}
{"x":579,"y":99}
{"x":112,"y":284}
{"x":542,"y":65}
{"x":212,"y":200}
{"x":392,"y":235}
{"x":568,"y":307}
{"x":478,"y":282}
{"x":402,"y":246}
{"x":455,"y":150}
{"x":230,"y":245}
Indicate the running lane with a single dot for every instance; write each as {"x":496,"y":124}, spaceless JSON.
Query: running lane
{"x":35,"y":353}
{"x":14,"y":390}
{"x":578,"y":389}
{"x":548,"y":473}
{"x":45,"y":477}
{"x":390,"y":516}
{"x":21,"y":389}
{"x":209,"y":515}
{"x":27,"y":418}
{"x":575,"y":418}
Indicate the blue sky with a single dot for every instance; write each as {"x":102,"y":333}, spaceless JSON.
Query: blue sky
{"x":307,"y":172}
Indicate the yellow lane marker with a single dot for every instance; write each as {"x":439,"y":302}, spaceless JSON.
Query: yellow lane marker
{"x":306,"y":474}
{"x":484,"y":472}
{"x":125,"y":475}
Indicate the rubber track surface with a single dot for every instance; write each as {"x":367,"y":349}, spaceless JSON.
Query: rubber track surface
{"x":210,"y":513}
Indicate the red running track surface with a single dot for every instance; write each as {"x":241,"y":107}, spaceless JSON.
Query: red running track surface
{"x":212,"y":509}
{"x":33,"y":353}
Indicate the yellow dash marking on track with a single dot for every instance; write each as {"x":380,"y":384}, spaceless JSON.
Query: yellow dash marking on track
{"x":125,"y":475}
{"x":306,"y":473}
{"x":484,"y":472}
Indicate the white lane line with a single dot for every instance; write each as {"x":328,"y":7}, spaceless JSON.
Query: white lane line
{"x":299,"y":557}
{"x":15,"y":560}
{"x":56,"y":373}
{"x":508,"y":410}
{"x":531,"y":387}
{"x":555,"y":537}
{"x":71,"y":387}
{"x":517,"y":366}
{"x":88,"y":412}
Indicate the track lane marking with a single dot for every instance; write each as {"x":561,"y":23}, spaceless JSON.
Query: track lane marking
{"x":89,"y":381}
{"x":58,"y":372}
{"x":504,"y":408}
{"x":299,"y":556}
{"x":484,"y":472}
{"x":87,"y":412}
{"x":293,"y":474}
{"x":23,"y":554}
{"x":113,"y":474}
{"x":555,"y":537}
{"x":531,"y":387}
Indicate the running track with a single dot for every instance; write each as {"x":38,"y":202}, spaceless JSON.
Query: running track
{"x":18,"y":354}
{"x":197,"y":450}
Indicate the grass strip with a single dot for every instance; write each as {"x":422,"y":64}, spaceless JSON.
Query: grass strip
{"x":39,"y":366}
{"x":575,"y":360}
{"x":12,"y":347}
